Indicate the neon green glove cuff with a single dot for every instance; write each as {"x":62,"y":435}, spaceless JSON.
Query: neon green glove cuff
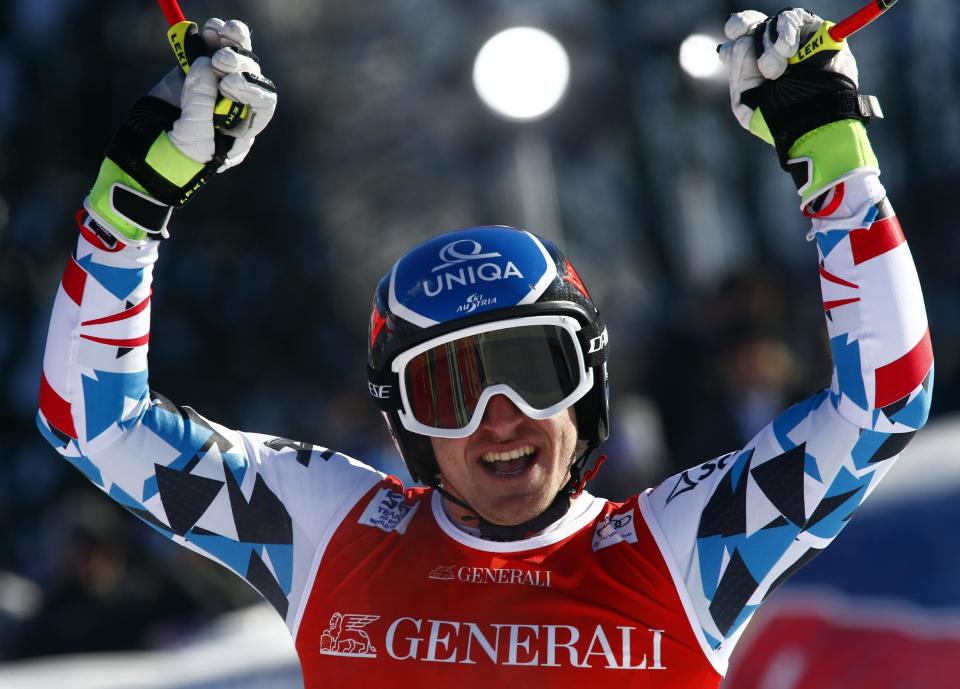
{"x":171,"y":163}
{"x":827,"y":155}
{"x":124,"y":204}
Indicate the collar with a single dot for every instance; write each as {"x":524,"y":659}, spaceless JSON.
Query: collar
{"x":582,"y":511}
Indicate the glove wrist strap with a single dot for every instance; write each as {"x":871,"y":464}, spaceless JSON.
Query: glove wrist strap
{"x":121,"y":203}
{"x":140,"y":209}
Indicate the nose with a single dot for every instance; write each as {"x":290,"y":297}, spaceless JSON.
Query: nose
{"x":501,"y":417}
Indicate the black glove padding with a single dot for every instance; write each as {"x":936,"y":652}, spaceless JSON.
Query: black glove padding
{"x":145,"y":121}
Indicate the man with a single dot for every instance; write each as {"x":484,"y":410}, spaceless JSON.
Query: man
{"x":488,"y":358}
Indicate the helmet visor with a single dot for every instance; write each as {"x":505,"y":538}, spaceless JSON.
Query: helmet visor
{"x":538,"y":365}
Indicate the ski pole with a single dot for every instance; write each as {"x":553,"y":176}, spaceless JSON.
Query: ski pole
{"x":187,"y":46}
{"x":830,"y":37}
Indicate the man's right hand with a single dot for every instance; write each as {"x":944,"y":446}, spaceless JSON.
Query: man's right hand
{"x":167,"y":148}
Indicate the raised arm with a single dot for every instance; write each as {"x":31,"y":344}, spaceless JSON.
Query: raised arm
{"x":258,"y":504}
{"x":734,"y":528}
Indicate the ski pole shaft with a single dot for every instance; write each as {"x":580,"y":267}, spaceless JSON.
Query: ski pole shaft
{"x":860,"y":18}
{"x":830,"y":37}
{"x":171,"y":10}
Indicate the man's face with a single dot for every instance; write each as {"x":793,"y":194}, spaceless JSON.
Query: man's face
{"x":511,"y":467}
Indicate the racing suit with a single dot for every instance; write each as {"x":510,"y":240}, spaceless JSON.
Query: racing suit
{"x":375,"y":582}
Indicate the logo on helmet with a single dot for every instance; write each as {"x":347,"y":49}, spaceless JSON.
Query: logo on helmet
{"x":474,"y":301}
{"x":434,"y":282}
{"x":468,"y":251}
{"x":451,"y":255}
{"x":599,"y":342}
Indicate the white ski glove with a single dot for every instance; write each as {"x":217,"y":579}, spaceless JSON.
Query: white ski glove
{"x":168,"y":148}
{"x":811,"y":110}
{"x":779,"y":39}
{"x":229,"y":72}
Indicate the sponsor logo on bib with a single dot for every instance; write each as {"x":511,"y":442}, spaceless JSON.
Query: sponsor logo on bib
{"x":613,"y":529}
{"x":345,"y":636}
{"x":389,"y":511}
{"x":540,"y":578}
{"x":612,"y":647}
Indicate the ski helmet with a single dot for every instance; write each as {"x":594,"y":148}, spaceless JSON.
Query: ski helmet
{"x":459,"y":281}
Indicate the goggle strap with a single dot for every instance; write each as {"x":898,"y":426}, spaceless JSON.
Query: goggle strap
{"x":384,"y":388}
{"x":588,"y":475}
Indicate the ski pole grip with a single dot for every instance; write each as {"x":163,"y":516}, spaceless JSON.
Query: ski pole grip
{"x":188,"y":45}
{"x":820,"y":46}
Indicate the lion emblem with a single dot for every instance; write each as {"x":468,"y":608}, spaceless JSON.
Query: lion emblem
{"x":344,"y":636}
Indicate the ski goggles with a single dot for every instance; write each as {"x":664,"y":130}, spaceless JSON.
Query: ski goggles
{"x":537,"y":362}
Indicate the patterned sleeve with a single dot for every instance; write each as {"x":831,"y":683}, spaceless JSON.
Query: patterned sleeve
{"x":263,"y":506}
{"x":734,"y":528}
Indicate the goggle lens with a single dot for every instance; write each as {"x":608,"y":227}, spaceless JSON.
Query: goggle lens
{"x":539,"y":362}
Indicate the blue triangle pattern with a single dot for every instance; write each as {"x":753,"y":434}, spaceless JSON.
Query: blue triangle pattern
{"x":150,"y":487}
{"x":835,"y":398}
{"x":186,"y":438}
{"x":827,"y":241}
{"x":120,"y":282}
{"x":790,"y":418}
{"x":761,"y":551}
{"x":846,"y":359}
{"x":713,"y":642}
{"x":105,"y":394}
{"x":234,"y":554}
{"x":237,"y":464}
{"x":710,"y":554}
{"x":844,"y":482}
{"x":737,"y":469}
{"x":915,"y":413}
{"x":866,"y":447}
{"x":810,"y":467}
{"x":281,"y":556}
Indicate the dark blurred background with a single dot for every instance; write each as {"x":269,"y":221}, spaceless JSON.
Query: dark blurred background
{"x":681,"y":224}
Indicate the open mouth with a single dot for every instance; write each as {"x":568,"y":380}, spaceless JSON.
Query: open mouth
{"x":511,"y":463}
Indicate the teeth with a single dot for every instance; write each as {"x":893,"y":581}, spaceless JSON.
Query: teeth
{"x":506,"y":456}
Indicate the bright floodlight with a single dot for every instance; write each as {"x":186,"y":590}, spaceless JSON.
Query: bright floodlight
{"x":698,"y":56}
{"x":521,"y":73}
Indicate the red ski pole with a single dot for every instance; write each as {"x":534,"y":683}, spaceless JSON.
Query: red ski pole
{"x":829,"y":37}
{"x":859,"y":19}
{"x":171,"y":10}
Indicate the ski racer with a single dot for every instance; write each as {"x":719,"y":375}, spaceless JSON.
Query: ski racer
{"x":502,"y":568}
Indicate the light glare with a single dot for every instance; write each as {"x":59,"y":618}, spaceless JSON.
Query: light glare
{"x":521,"y":73}
{"x":698,"y":56}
